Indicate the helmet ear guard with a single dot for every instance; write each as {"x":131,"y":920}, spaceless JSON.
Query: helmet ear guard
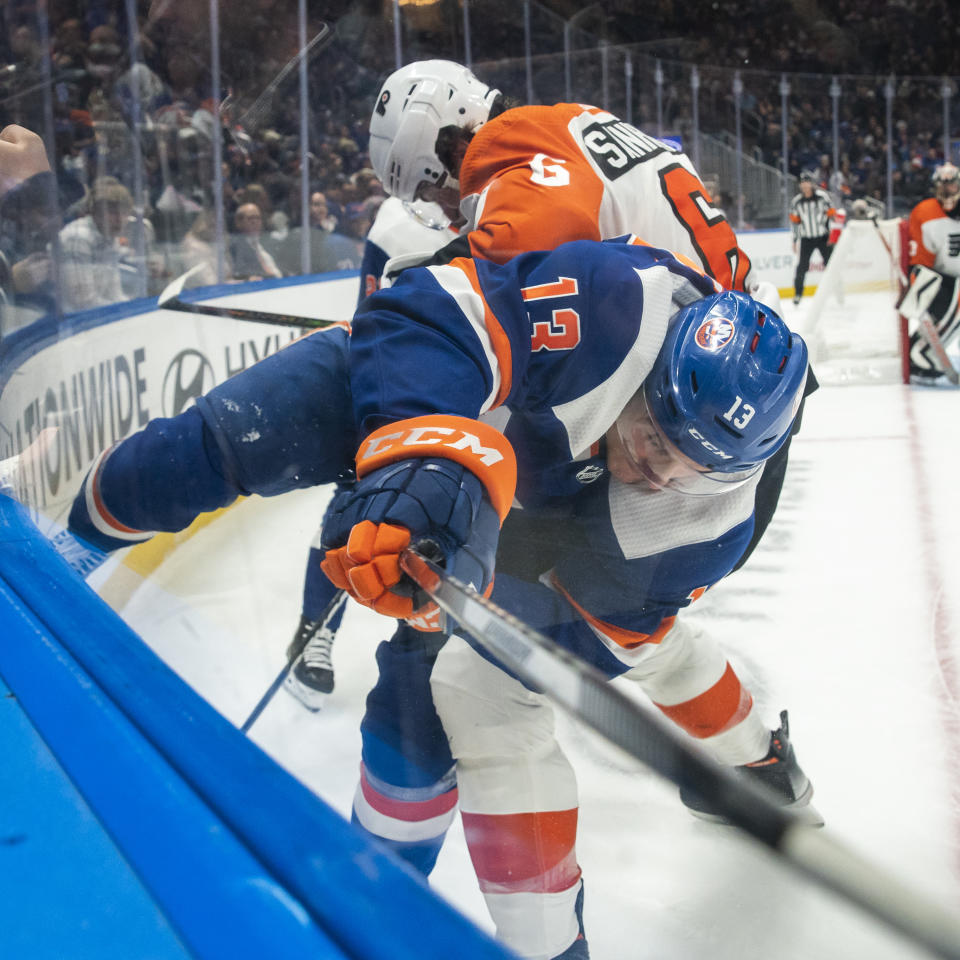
{"x":727,"y":383}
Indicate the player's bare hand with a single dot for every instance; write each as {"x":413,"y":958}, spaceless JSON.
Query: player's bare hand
{"x":22,"y":155}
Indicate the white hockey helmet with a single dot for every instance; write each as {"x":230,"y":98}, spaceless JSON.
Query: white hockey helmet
{"x":946,"y":184}
{"x":413,"y":105}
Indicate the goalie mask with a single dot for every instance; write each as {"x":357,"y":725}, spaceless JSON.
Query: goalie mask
{"x":720,"y":400}
{"x":415,"y":103}
{"x":946,"y":185}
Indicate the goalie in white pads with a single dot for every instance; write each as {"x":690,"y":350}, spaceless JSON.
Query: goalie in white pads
{"x":934,"y":291}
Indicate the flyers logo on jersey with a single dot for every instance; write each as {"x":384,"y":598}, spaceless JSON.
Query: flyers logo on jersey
{"x":618,"y":147}
{"x":714,"y":334}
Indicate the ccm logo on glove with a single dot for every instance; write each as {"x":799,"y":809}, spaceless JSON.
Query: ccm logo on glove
{"x":480,"y":448}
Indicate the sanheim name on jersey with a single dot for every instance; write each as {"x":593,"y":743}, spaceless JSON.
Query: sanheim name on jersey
{"x":617,"y":146}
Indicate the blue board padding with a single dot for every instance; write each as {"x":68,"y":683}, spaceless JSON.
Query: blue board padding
{"x":369,"y":903}
{"x":65,"y":891}
{"x":74,"y":889}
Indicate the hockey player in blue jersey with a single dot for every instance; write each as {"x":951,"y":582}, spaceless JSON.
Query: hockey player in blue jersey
{"x":639,"y":405}
{"x":518,"y":179}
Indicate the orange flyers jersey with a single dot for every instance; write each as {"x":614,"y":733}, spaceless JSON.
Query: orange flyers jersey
{"x":538,"y":176}
{"x":934,"y":238}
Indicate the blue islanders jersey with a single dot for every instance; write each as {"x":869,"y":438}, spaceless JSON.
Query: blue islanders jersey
{"x":550,"y":347}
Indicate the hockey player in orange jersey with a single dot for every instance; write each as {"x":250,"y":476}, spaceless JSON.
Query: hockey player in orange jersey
{"x":934,"y":229}
{"x":531,"y":177}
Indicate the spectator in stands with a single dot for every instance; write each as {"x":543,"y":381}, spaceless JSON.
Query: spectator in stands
{"x":251,"y":261}
{"x":357,"y":218}
{"x":29,"y":219}
{"x":93,"y":259}
{"x":329,"y":250}
{"x":199,"y":247}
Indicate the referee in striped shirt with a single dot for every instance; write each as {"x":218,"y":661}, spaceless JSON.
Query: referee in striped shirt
{"x":810,"y":213}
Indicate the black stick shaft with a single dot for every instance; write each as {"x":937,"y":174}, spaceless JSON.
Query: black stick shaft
{"x":325,"y":618}
{"x":584,"y":691}
{"x":243,"y":313}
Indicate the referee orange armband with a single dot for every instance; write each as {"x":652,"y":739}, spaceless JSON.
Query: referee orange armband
{"x":478,"y":447}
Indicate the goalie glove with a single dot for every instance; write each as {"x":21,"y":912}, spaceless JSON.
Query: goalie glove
{"x":440,"y":483}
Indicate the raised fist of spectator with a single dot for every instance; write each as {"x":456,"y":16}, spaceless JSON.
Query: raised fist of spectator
{"x":22,"y":155}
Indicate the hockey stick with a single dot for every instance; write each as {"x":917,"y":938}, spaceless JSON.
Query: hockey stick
{"x":169,"y":299}
{"x":252,"y":117}
{"x":328,"y":614}
{"x":586,"y":693}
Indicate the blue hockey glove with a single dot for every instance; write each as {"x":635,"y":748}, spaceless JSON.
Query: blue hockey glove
{"x":455,"y":499}
{"x":409,"y":502}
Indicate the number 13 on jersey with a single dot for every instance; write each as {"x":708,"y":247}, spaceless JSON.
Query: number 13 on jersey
{"x":562,"y":330}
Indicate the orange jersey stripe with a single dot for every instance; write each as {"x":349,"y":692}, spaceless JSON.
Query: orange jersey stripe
{"x":628,"y":639}
{"x":498,"y":338}
{"x":105,"y":515}
{"x":718,"y":709}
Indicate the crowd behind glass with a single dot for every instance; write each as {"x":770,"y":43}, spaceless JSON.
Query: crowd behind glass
{"x":130,"y":127}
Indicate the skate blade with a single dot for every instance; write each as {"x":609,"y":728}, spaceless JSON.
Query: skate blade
{"x":801,"y":808}
{"x":313,"y":700}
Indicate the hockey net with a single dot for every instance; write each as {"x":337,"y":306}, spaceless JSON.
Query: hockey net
{"x":851,"y":323}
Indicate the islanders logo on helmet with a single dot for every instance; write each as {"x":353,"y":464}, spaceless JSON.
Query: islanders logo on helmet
{"x":714,"y":333}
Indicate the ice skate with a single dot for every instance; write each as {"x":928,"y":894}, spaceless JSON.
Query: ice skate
{"x":778,"y":772}
{"x":311,"y":678}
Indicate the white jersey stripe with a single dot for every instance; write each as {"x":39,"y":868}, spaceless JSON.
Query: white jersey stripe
{"x":588,"y":417}
{"x":100,"y":517}
{"x":455,"y":282}
{"x":392,"y":828}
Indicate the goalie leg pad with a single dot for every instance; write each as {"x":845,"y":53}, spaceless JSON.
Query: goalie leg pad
{"x":924,"y":287}
{"x":938,"y":296}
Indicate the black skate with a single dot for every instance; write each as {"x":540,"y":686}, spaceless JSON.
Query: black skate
{"x":311,"y":678}
{"x":778,"y":773}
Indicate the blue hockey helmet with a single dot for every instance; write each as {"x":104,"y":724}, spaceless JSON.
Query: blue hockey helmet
{"x":723,"y":392}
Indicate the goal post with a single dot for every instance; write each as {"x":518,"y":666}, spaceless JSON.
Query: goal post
{"x":851,"y":324}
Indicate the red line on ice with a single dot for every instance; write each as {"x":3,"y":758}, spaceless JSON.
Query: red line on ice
{"x":944,"y":633}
